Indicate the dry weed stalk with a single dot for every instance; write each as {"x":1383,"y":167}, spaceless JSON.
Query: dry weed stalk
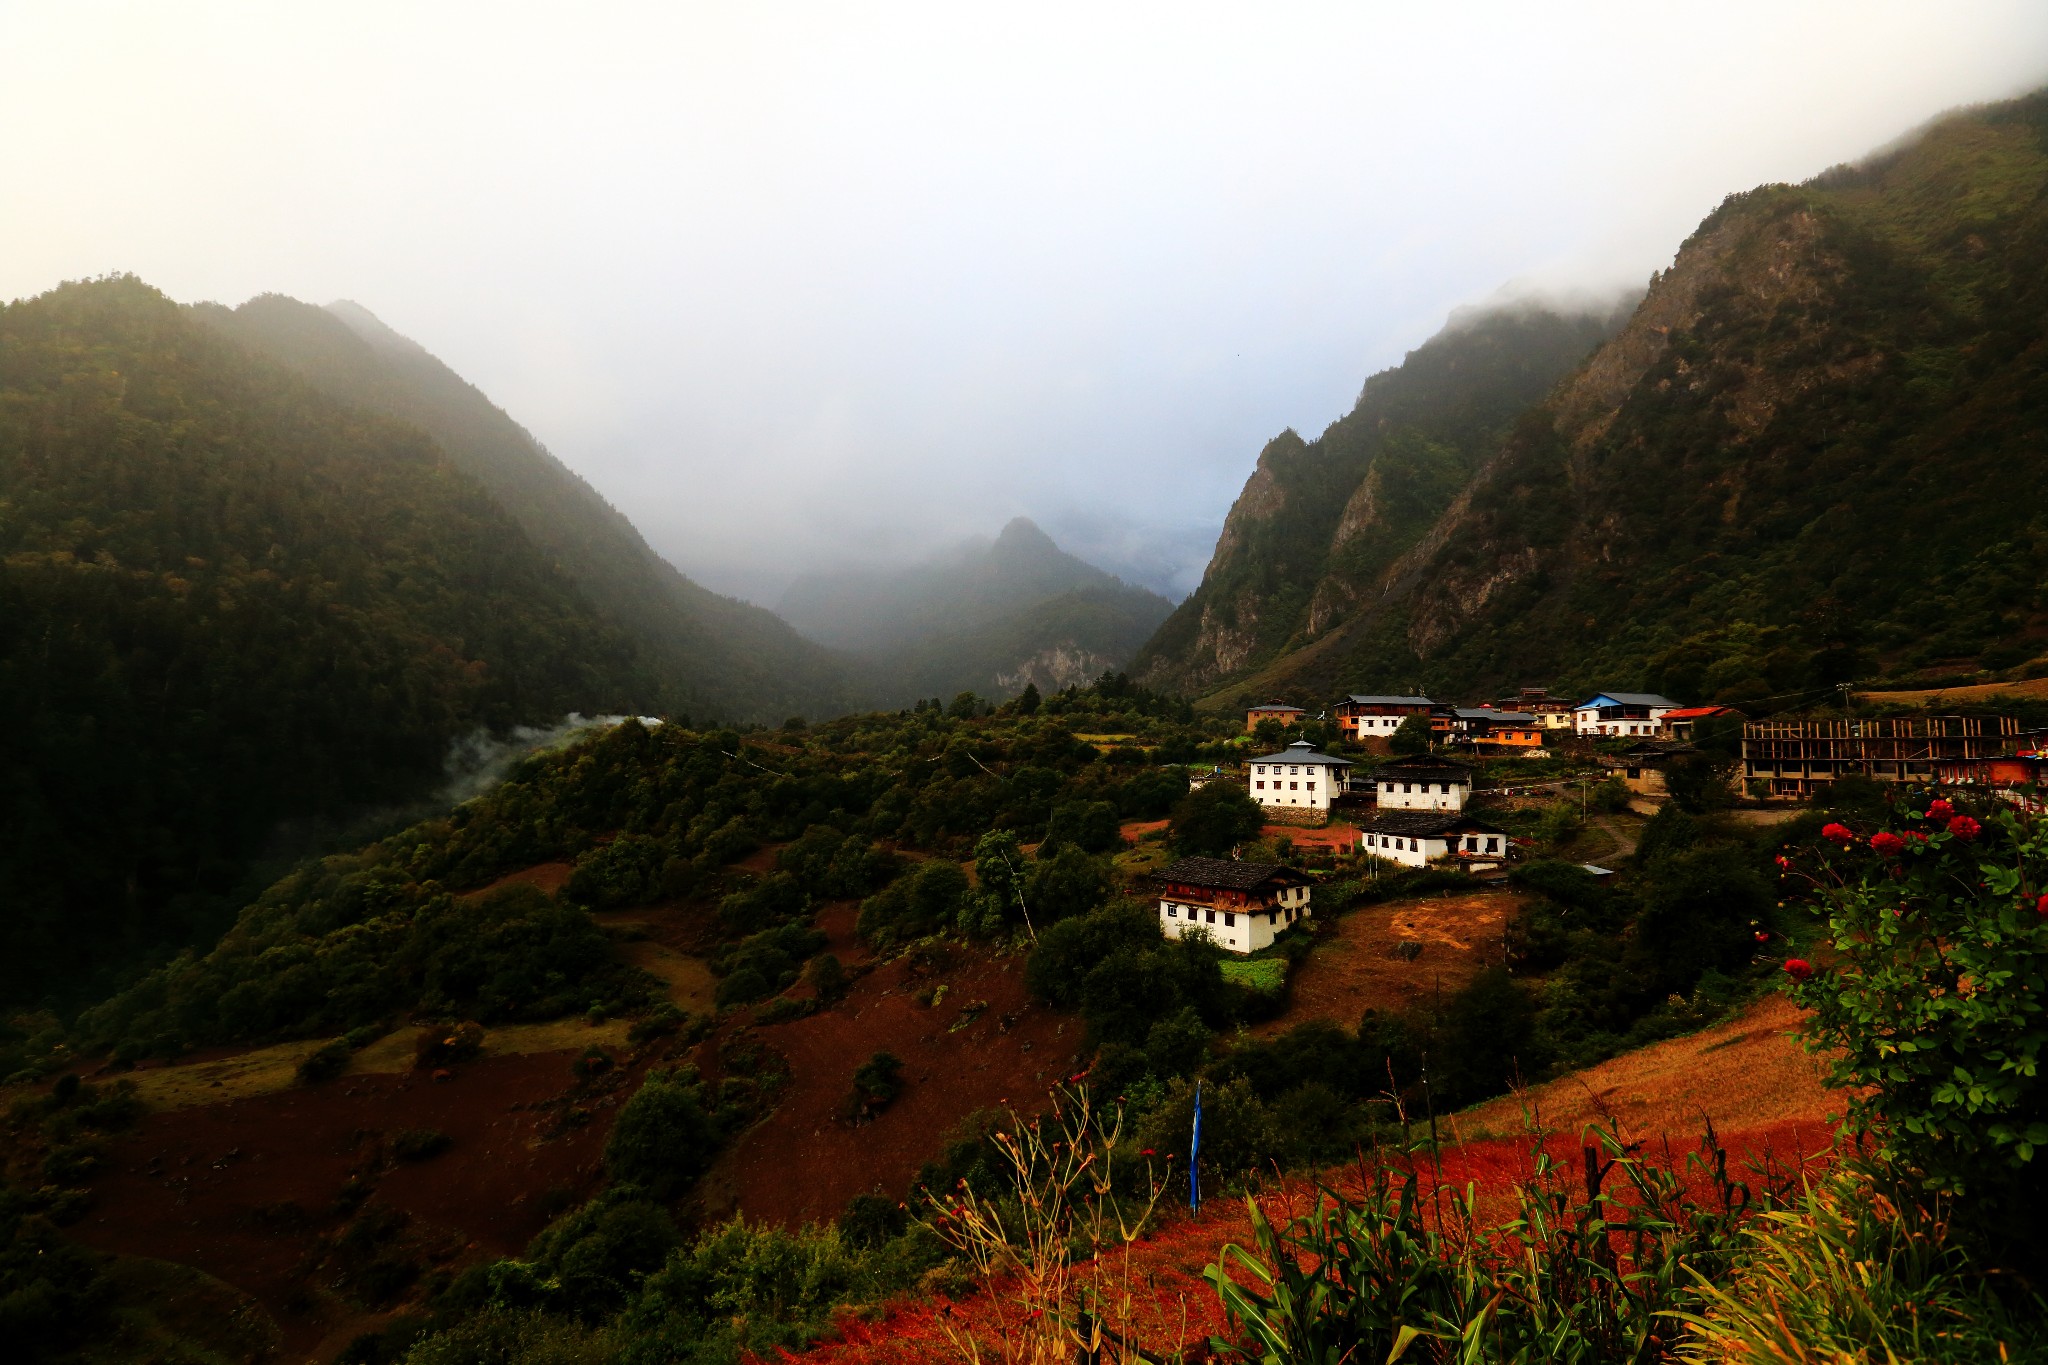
{"x":1052,"y":1248}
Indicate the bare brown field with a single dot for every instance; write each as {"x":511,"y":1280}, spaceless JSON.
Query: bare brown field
{"x":2032,"y":687}
{"x":1745,"y":1073}
{"x":1353,"y":967}
{"x":548,"y":877}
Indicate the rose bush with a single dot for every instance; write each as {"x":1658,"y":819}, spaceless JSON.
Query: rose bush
{"x":1931,"y":1007}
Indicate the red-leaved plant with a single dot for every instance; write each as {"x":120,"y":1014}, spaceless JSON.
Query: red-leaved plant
{"x":1931,"y":1005}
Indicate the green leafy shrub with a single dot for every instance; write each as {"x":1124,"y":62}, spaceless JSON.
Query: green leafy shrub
{"x":339,"y":945}
{"x":325,"y":1064}
{"x":665,"y":1137}
{"x":784,"y":1008}
{"x":661,"y":1021}
{"x":826,"y":976}
{"x":1215,"y":818}
{"x":762,"y":964}
{"x":625,"y":871}
{"x":1931,"y":1015}
{"x":924,"y":902}
{"x":876,"y":1083}
{"x":1090,"y":826}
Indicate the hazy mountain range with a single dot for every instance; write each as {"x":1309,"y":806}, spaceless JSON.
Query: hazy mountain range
{"x":1811,"y":453}
{"x":986,"y":617}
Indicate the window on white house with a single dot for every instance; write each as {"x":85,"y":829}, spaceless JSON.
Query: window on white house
{"x":1173,"y":912}
{"x":1493,"y":845}
{"x":1229,"y":921}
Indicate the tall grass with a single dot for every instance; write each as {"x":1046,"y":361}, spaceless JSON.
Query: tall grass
{"x":1846,"y":1273}
{"x":1588,"y":1267}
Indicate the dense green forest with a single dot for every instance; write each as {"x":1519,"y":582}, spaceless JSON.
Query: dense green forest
{"x":228,"y":601}
{"x":985,"y":618}
{"x":701,"y":654}
{"x":1811,"y":455}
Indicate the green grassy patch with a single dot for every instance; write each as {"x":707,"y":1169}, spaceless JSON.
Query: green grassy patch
{"x":1266,"y":975}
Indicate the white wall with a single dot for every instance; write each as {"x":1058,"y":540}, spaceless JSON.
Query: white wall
{"x":1247,"y":932}
{"x":1407,"y":850}
{"x":1423,"y":795}
{"x":1587,"y":722}
{"x":1306,"y":786}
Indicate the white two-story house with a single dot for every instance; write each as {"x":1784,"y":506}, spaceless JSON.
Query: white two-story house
{"x":1242,"y":906}
{"x":1636,"y":714}
{"x":1421,"y":784}
{"x":1296,"y":777}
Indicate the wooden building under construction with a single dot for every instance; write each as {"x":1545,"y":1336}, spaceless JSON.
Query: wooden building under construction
{"x":1792,"y":759}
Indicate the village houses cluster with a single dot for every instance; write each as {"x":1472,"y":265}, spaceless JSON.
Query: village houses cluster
{"x":1418,"y":806}
{"x":1414,"y":810}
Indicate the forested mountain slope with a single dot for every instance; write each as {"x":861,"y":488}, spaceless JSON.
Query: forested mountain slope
{"x":228,"y":600}
{"x":1319,"y":521}
{"x":983,"y":617}
{"x":1815,"y":452}
{"x":705,"y":655}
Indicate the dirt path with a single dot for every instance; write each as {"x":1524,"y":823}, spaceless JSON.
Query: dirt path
{"x":1355,"y":966}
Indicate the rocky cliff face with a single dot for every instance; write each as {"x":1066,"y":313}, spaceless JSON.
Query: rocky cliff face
{"x":1813,"y":450}
{"x":1319,"y":521}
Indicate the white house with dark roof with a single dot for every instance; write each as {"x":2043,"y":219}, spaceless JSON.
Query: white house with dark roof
{"x":1242,"y":906}
{"x":1297,"y":777}
{"x":1378,"y":717}
{"x":1635,"y":714}
{"x":1422,"y":784}
{"x":1415,"y":838}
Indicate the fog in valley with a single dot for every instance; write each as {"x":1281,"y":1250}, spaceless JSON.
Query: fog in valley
{"x":800,"y":286}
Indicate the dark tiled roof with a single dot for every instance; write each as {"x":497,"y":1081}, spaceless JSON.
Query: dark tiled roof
{"x":1224,"y":872}
{"x":1293,"y":755}
{"x":1355,"y":700}
{"x":1276,"y":706}
{"x":1421,"y":824}
{"x":1434,"y":769}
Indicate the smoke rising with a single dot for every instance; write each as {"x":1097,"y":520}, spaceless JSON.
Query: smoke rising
{"x":480,"y":760}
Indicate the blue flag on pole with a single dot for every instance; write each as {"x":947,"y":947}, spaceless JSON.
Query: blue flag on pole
{"x":1195,"y":1155}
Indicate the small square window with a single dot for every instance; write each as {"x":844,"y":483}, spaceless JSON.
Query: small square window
{"x":1229,"y":921}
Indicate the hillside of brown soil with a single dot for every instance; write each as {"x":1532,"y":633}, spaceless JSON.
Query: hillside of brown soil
{"x":980,"y":1043}
{"x":1747,"y":1072}
{"x":1355,"y":965}
{"x":1769,"y":1113}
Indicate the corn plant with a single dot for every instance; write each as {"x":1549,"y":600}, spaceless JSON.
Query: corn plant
{"x":1052,"y":1244}
{"x":1849,"y":1273}
{"x":1586,"y":1270}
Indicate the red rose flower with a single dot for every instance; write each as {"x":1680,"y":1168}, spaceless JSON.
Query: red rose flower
{"x":1837,"y":834}
{"x":1798,"y":968}
{"x":1148,"y":1151}
{"x":1963,"y":827}
{"x":1783,"y":862}
{"x":2041,"y":907}
{"x":1761,"y":936}
{"x":1940,"y":810}
{"x":1887,"y":844}
{"x":1914,"y":836}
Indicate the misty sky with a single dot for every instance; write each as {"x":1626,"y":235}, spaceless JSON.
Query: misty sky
{"x":800,"y":283}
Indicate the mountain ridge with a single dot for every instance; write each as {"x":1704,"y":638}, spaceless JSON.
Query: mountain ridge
{"x":706,"y":654}
{"x":1711,"y":504}
{"x":984,"y":616}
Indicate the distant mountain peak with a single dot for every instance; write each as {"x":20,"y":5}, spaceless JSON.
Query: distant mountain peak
{"x":1022,"y":531}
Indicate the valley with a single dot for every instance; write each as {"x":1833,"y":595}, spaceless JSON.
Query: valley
{"x":1581,"y":839}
